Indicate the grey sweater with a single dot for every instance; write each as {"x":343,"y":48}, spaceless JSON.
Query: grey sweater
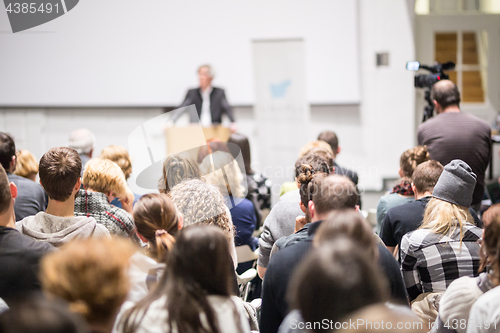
{"x":58,"y":230}
{"x":280,"y":222}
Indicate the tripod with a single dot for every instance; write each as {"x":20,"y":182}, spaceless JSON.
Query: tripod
{"x":429,"y":108}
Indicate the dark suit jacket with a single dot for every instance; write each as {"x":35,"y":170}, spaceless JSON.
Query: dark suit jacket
{"x":218,"y":105}
{"x":346,"y":172}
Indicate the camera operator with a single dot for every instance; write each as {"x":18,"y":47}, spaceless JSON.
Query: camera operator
{"x":452,"y":134}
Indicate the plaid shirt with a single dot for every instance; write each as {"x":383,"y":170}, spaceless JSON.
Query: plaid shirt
{"x":430,"y":261}
{"x":116,"y":220}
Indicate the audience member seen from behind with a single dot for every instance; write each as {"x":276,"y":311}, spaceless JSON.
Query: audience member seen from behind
{"x":42,"y":315}
{"x":176,"y":169}
{"x":456,"y":302}
{"x":445,"y":246}
{"x":91,"y":275}
{"x":82,"y":140}
{"x":230,"y":185}
{"x":158,"y":223}
{"x":332,"y":139}
{"x":195,"y":294}
{"x":310,"y":182}
{"x":26,"y":166}
{"x":120,"y":156}
{"x":199,"y":202}
{"x":402,"y":193}
{"x":19,"y":255}
{"x":259,"y":187}
{"x":334,"y":280}
{"x":379,"y":318}
{"x":491,"y":214}
{"x":354,"y":225}
{"x":453,"y":134}
{"x":408,"y":217}
{"x":289,"y":190}
{"x":31,"y":197}
{"x":103,"y":180}
{"x":335,"y":192}
{"x":60,"y":170}
{"x":349,"y":224}
{"x":282,"y":219}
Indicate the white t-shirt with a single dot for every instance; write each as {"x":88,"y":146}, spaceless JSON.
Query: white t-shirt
{"x":206,"y":115}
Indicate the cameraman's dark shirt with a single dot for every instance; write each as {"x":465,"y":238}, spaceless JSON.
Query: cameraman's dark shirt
{"x":458,"y":135}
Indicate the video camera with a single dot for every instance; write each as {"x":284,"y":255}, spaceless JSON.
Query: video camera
{"x":427,"y":81}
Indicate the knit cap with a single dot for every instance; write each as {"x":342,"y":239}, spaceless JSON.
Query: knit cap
{"x":456,"y":184}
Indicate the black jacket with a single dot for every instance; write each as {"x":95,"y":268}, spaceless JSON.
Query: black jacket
{"x":346,"y":172}
{"x":218,"y":105}
{"x":19,"y":261}
{"x":285,"y":262}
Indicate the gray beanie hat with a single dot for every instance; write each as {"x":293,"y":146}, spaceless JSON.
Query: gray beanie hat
{"x":456,"y":184}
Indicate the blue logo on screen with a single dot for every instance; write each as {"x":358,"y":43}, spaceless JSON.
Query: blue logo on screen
{"x":279,"y":90}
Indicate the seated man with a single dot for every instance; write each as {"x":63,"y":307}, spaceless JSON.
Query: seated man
{"x":31,"y":197}
{"x":281,"y":220}
{"x":408,"y":217}
{"x":60,"y":170}
{"x":19,"y":255}
{"x":82,"y":140}
{"x":332,"y":139}
{"x":103,"y":180}
{"x":335,"y":192}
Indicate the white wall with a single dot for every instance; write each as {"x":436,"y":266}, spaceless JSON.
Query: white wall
{"x":145,"y":53}
{"x":387,"y":93}
{"x":372,"y":134}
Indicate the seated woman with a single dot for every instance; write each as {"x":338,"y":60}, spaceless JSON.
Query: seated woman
{"x":309,"y":181}
{"x":26,"y":165}
{"x":259,"y":187}
{"x":103,"y":180}
{"x":199,"y":202}
{"x":120,"y":156}
{"x":282,"y":220}
{"x":195,"y":294}
{"x":91,"y":275}
{"x":445,"y":246}
{"x":177,"y":168}
{"x":229,"y":182}
{"x":158,"y":223}
{"x":456,"y":302}
{"x":402,"y":192}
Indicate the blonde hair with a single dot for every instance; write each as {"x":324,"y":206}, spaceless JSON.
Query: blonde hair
{"x":120,"y":156}
{"x":91,"y":275}
{"x":439,"y":216}
{"x":103,"y":175}
{"x":218,"y":166}
{"x":26,"y":165}
{"x":411,"y":158}
{"x":322,"y":145}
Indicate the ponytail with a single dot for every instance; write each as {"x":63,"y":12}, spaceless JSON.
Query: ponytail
{"x":157,"y":220}
{"x":164,"y":244}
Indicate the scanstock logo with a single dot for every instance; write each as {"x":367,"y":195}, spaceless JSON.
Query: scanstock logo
{"x":31,"y":13}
